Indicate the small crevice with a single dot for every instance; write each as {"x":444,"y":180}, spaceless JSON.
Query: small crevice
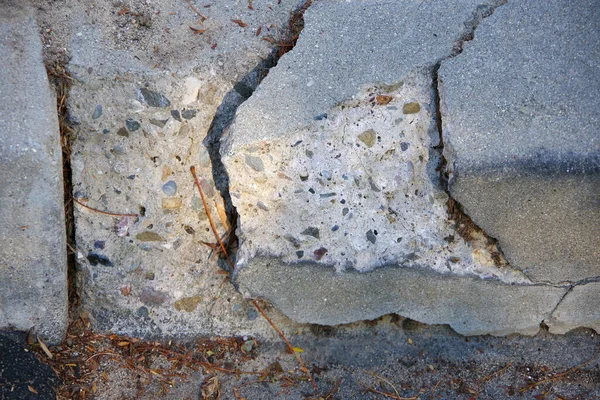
{"x":465,"y":226}
{"x":283,"y":41}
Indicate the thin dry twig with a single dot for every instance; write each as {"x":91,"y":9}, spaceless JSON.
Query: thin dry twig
{"x":500,"y":371}
{"x":202,"y":16}
{"x":396,"y":396}
{"x":562,"y":374}
{"x":210,"y":220}
{"x":289,"y":345}
{"x":103,"y":212}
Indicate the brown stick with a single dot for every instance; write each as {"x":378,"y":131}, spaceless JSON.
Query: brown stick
{"x":289,"y":345}
{"x":103,"y":212}
{"x":196,"y":10}
{"x":212,"y":223}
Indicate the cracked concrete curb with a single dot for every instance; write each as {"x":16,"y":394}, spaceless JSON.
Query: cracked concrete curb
{"x":288,"y":165}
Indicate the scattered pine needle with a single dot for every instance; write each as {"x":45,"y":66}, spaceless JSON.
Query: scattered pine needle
{"x":240,"y":22}
{"x":289,"y":345}
{"x":45,"y":348}
{"x":394,"y":395}
{"x":501,"y":371}
{"x":202,"y":17}
{"x":103,"y":212}
{"x":210,"y":220}
{"x":561,"y":375}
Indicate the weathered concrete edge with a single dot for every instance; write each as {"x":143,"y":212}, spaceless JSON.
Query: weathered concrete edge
{"x":39,"y":240}
{"x":567,"y":314}
{"x":469,"y":305}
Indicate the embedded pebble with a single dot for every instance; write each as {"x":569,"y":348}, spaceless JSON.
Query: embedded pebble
{"x":404,"y":146}
{"x":123,"y":132}
{"x":95,"y":259}
{"x":371,"y":236}
{"x":153,"y":297}
{"x":300,"y":253}
{"x":319,"y":253}
{"x":132,"y":125}
{"x":170,"y":188}
{"x":256,"y":163}
{"x":189,"y":114}
{"x":154,"y":99}
{"x":175,"y":114}
{"x":143,"y":312}
{"x":368,"y":137}
{"x":188,"y":304}
{"x":97,"y":112}
{"x":311,"y":231}
{"x":119,"y":150}
{"x":99,"y":244}
{"x":411,"y":108}
{"x":159,"y":122}
{"x":172,"y":203}
{"x":149,"y":236}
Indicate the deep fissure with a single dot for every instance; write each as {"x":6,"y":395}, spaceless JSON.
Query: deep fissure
{"x":226,"y":111}
{"x":464,"y":224}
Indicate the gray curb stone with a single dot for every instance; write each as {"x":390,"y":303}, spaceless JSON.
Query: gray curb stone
{"x":33,"y":276}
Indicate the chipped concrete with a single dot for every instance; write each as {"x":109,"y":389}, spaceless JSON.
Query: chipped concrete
{"x":363,"y":172}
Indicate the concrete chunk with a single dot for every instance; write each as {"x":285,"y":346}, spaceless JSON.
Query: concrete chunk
{"x":33,"y":276}
{"x":520,"y":116}
{"x":318,"y":295}
{"x":580,"y":307}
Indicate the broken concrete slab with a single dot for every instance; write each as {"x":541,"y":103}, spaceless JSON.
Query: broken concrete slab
{"x":580,"y":307}
{"x":363,"y":173}
{"x":319,"y":295}
{"x":334,"y":58}
{"x":520,"y":121}
{"x":341,"y":213}
{"x":33,"y":264}
{"x":144,"y":102}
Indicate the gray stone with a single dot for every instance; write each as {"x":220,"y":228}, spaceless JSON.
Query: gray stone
{"x":316,"y":294}
{"x":33,"y":265}
{"x":580,"y":307}
{"x":520,"y":120}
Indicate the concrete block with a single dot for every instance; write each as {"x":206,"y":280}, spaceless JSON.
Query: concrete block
{"x":520,"y":119}
{"x":142,"y":118}
{"x":33,"y":276}
{"x":580,"y":307}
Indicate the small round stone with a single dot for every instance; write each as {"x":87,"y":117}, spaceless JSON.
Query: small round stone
{"x":170,"y":188}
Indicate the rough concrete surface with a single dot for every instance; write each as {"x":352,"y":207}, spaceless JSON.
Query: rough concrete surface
{"x":520,"y":120}
{"x":142,"y":101}
{"x":580,"y":307}
{"x":33,"y":276}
